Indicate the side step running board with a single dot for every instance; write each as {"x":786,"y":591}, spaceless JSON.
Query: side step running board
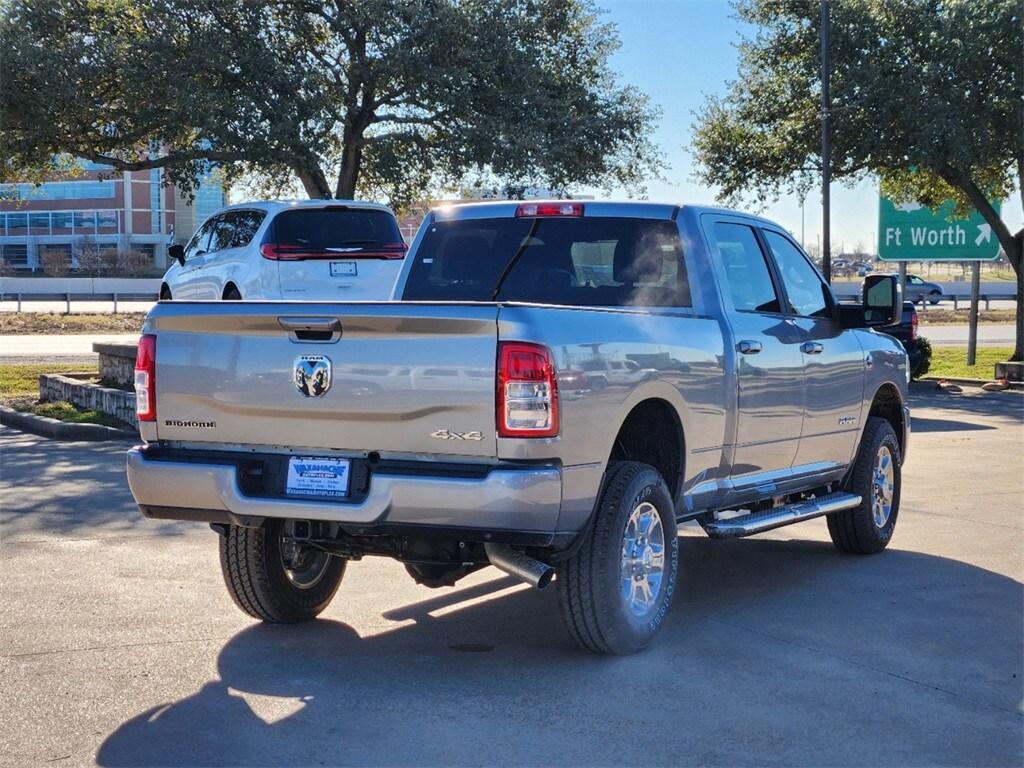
{"x":757,"y":522}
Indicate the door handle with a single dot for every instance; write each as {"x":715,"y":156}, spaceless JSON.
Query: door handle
{"x":330,"y":324}
{"x":748,"y":347}
{"x":811,"y":348}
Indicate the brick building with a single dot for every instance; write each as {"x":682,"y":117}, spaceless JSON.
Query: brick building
{"x":100,"y":211}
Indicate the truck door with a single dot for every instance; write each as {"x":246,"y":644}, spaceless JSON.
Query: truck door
{"x":769,"y":366}
{"x":832,"y":358}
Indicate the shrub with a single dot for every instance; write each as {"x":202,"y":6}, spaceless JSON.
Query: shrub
{"x":924,"y":358}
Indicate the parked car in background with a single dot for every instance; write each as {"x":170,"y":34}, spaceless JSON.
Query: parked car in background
{"x":863,"y":268}
{"x":919,"y":291}
{"x":337,"y":250}
{"x":906,"y":332}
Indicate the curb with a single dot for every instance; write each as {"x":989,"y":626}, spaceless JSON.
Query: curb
{"x":1014,"y":385}
{"x":61,"y":430}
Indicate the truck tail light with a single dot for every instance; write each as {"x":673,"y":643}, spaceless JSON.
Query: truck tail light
{"x":145,"y":378}
{"x":530,"y":210}
{"x":913,"y":327}
{"x":527,"y":401}
{"x":280,"y":252}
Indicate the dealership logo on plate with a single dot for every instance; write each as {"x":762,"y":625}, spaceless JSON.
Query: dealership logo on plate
{"x":313,"y":375}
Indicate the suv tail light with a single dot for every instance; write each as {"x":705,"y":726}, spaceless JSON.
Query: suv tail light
{"x":145,"y":378}
{"x":527,"y":401}
{"x":549,"y":209}
{"x":281,"y":252}
{"x":913,"y":326}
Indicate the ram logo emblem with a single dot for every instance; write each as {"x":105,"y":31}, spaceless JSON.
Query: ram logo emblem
{"x":313,"y":375}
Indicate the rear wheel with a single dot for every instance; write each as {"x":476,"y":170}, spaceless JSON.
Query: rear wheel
{"x":275,"y":578}
{"x":615,"y":592}
{"x":232,"y":294}
{"x":934,"y":298}
{"x":165,"y":293}
{"x":868,"y":528}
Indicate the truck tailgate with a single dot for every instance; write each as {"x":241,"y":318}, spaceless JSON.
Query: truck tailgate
{"x":400,"y":378}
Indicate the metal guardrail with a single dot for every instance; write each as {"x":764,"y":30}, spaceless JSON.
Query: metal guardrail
{"x":956,"y":298}
{"x":67,"y":298}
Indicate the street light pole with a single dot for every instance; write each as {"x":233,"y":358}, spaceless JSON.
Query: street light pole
{"x":826,"y":143}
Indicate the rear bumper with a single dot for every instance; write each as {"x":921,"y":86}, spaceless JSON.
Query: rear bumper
{"x":524,"y":500}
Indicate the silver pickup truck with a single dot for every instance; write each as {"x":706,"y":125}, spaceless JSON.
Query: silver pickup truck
{"x":558,"y":387}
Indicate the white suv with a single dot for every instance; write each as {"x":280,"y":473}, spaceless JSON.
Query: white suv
{"x":311,"y":250}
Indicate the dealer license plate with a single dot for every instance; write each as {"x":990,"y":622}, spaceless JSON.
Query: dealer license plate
{"x":312,"y":476}
{"x":343,"y":268}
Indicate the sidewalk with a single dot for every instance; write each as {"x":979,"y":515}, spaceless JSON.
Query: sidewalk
{"x":989,"y":334}
{"x":62,"y":348}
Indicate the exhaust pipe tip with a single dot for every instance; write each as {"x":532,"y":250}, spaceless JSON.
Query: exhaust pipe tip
{"x":520,"y":565}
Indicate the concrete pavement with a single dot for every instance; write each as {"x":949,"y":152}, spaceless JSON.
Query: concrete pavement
{"x":120,"y":645}
{"x":60,"y":348}
{"x":989,"y":334}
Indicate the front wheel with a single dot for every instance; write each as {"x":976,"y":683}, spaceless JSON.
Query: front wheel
{"x":275,"y":578}
{"x":615,"y":591}
{"x":868,"y":528}
{"x":934,"y":298}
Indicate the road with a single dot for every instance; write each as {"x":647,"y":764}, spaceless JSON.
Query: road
{"x":989,"y":334}
{"x":59,"y":348}
{"x":120,"y":644}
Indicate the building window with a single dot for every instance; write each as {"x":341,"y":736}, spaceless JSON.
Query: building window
{"x":154,"y":201}
{"x":106,"y":219}
{"x":59,"y":190}
{"x":17,"y":223}
{"x":39,"y":221}
{"x":85,"y":219}
{"x":14,"y":255}
{"x":60,"y":220}
{"x":147,"y":249}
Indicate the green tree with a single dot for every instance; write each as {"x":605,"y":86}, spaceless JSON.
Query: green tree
{"x":928,"y":97}
{"x":382,"y":98}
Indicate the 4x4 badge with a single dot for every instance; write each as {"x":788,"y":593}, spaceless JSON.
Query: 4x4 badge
{"x":313,"y":375}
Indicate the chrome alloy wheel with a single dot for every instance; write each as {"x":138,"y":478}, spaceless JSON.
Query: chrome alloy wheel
{"x":882,"y":487}
{"x":643,"y":559}
{"x":304,"y":566}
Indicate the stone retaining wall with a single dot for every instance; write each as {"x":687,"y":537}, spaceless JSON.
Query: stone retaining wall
{"x":113,"y":402}
{"x":117,"y":362}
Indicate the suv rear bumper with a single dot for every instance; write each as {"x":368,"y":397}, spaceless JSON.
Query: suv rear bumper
{"x":509,"y":499}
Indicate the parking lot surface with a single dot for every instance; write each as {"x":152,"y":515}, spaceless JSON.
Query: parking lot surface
{"x":120,"y":645}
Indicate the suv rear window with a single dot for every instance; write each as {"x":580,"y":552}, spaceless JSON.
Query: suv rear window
{"x":576,"y":261}
{"x":320,"y":229}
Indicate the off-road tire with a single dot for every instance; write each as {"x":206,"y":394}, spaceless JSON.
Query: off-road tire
{"x":589,"y":588}
{"x":250,"y":559}
{"x":855,"y":531}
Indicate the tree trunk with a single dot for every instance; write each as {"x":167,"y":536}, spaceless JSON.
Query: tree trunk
{"x":351,"y":161}
{"x":314,"y":181}
{"x":1011,"y":245}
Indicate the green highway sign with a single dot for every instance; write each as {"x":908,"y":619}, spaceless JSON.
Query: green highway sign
{"x":911,"y":232}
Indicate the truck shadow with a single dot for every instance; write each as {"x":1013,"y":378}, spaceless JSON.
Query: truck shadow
{"x":780,"y":624}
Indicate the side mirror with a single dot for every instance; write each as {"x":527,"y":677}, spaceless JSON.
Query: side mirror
{"x":882,"y":300}
{"x":177,"y":252}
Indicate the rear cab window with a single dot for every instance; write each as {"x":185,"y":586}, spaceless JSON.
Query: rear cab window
{"x":333,"y":232}
{"x":572,"y":261}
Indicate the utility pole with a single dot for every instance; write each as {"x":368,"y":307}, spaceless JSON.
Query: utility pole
{"x":826,"y":143}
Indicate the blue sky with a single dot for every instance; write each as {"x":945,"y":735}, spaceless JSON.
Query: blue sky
{"x":679,"y":51}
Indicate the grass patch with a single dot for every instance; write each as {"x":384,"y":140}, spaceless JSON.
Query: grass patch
{"x":20,"y":382}
{"x":50,"y":322}
{"x":951,"y":362}
{"x":71,"y":414}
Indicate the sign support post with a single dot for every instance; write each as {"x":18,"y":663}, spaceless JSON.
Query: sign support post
{"x":972,"y":329}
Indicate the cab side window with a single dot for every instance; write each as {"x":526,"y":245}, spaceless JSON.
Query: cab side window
{"x":805,"y":289}
{"x":200,"y":241}
{"x":746,"y":271}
